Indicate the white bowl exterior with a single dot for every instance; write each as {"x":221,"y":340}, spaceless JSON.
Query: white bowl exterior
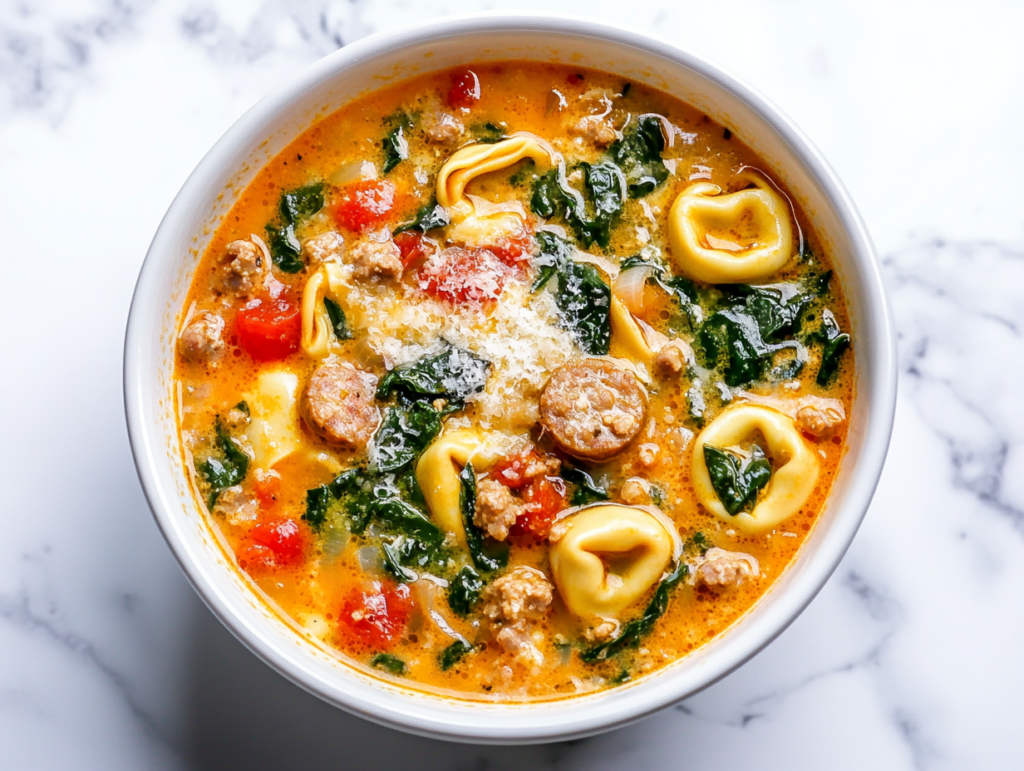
{"x":329,"y":84}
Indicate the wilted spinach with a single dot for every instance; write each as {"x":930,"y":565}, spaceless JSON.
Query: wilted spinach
{"x":430,"y":216}
{"x":631,"y":634}
{"x":389,"y":663}
{"x":464,"y":591}
{"x":295,"y":206}
{"x":638,"y":155}
{"x":455,"y":373}
{"x":339,"y":324}
{"x":487,"y":133}
{"x":591,"y":213}
{"x":586,"y":490}
{"x":582,"y":297}
{"x":834,"y":343}
{"x":405,"y":432}
{"x":737,"y":482}
{"x":451,"y":655}
{"x":226,"y":470}
{"x":395,"y":144}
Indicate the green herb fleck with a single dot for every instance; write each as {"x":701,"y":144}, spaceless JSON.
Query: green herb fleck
{"x":388,"y":663}
{"x":451,"y":655}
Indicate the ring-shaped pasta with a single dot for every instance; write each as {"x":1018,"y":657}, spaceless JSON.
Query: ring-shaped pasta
{"x":792,"y":482}
{"x":475,"y":160}
{"x":608,"y":557}
{"x":702,"y":208}
{"x":438,"y":469}
{"x":316,"y":324}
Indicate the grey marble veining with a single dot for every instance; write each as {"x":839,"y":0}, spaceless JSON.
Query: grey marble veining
{"x":909,"y":658}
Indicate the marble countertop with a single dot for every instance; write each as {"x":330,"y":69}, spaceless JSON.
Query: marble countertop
{"x":910,"y":656}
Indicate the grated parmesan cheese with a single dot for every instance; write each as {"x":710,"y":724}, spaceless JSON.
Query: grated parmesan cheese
{"x":519,"y":335}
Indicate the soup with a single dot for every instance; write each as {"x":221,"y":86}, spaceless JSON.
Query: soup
{"x":513,"y":382}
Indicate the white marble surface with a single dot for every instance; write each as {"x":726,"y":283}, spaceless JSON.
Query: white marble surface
{"x":909,"y":658}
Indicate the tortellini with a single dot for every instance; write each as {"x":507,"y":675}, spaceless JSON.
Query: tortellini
{"x":792,"y":482}
{"x":755,"y":233}
{"x":438,"y":469}
{"x":274,"y":410}
{"x":634,"y":544}
{"x":481,"y":225}
{"x":316,"y":324}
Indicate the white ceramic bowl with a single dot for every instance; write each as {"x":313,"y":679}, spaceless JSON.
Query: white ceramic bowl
{"x":386,"y":58}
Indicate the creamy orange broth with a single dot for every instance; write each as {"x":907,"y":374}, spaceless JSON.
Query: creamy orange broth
{"x":547,"y":101}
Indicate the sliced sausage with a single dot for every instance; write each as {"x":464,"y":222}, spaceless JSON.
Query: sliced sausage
{"x":340,"y":405}
{"x":592,"y":408}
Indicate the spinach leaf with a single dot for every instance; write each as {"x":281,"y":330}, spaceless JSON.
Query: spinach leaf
{"x":584,"y":305}
{"x":736,"y":337}
{"x":776,"y":308}
{"x":737,"y":484}
{"x":339,"y":324}
{"x":586,"y":489}
{"x":393,"y":564}
{"x":454,"y":373}
{"x":389,"y":663}
{"x":318,"y":500}
{"x":227,"y":470}
{"x":464,"y":591}
{"x":404,"y":433}
{"x":430,"y":216}
{"x":488,"y":559}
{"x":591,"y":216}
{"x":630,"y":634}
{"x":285,"y":249}
{"x":243,"y":407}
{"x":301,"y":203}
{"x":451,"y":655}
{"x":834,"y":343}
{"x":584,"y":301}
{"x":395,"y":145}
{"x":487,"y":133}
{"x":638,"y":154}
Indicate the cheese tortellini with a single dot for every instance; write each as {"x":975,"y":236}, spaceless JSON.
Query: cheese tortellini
{"x":475,"y":225}
{"x":438,"y":469}
{"x":792,"y":481}
{"x":274,"y":409}
{"x":316,"y":324}
{"x":731,"y":238}
{"x":634,"y":544}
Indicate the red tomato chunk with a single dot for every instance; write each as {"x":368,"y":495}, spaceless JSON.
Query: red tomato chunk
{"x":365,"y":205}
{"x":543,"y":499}
{"x":269,"y":329}
{"x":465,"y":90}
{"x":412,"y":247}
{"x":275,"y":544}
{"x":465,"y":275}
{"x":373,"y":618}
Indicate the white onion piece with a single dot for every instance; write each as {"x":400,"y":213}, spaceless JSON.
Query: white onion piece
{"x":351,"y":172}
{"x":609,"y":269}
{"x":485,"y":208}
{"x":370,"y":560}
{"x":629,"y":286}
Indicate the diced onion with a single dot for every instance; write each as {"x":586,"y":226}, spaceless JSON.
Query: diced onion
{"x":352,"y":172}
{"x":629,"y":286}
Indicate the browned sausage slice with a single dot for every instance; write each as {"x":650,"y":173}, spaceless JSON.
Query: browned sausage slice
{"x":592,"y":408}
{"x":339,"y":402}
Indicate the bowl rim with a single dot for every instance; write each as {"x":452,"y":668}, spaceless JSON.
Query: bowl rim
{"x":503,"y":730}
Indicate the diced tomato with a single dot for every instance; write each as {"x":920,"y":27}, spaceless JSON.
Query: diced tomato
{"x":575,"y":79}
{"x":374,"y":617}
{"x":411,"y":245}
{"x":511,"y":471}
{"x":513,"y":250}
{"x":365,"y":204}
{"x":274,"y":544}
{"x":544,"y":497}
{"x":267,"y":486}
{"x":269,"y":328}
{"x":465,"y":275}
{"x":465,"y":90}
